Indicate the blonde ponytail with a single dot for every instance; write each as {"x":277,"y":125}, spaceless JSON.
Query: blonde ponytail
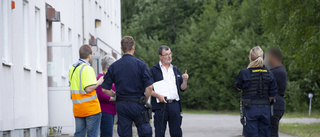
{"x":256,"y":57}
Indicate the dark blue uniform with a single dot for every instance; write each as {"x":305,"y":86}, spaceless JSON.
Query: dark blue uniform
{"x":280,"y":74}
{"x":130,"y":76}
{"x":257,"y":84}
{"x":170,"y":113}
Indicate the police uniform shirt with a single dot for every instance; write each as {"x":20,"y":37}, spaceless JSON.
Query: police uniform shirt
{"x":130,"y":76}
{"x":244,"y":81}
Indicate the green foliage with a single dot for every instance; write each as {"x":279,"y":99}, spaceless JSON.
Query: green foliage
{"x":212,"y":39}
{"x":294,"y":26}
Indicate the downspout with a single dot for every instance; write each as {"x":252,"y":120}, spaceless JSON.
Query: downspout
{"x":83,"y":41}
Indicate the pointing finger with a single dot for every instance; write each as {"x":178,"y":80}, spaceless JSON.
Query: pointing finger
{"x":185,"y":72}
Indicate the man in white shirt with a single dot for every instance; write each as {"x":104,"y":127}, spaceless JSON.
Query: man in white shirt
{"x":165,"y":100}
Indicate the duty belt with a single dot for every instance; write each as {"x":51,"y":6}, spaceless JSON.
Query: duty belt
{"x":141,"y":100}
{"x":260,"y":102}
{"x":171,"y":100}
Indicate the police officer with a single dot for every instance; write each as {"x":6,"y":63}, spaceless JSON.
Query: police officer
{"x":258,"y":88}
{"x":168,"y":109}
{"x":133,"y":82}
{"x":274,"y":58}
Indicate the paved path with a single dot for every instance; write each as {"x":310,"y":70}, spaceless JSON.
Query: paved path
{"x":210,"y":125}
{"x":301,"y":120}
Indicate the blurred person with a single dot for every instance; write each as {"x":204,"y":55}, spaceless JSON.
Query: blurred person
{"x":108,"y":107}
{"x":259,"y":88}
{"x":86,"y":107}
{"x":168,"y":110}
{"x":274,"y":58}
{"x":133,"y":82}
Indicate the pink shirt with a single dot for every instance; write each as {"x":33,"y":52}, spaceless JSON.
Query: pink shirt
{"x":106,"y":105}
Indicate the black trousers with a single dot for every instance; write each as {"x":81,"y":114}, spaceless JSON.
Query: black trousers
{"x":275,"y":119}
{"x":172,"y":116}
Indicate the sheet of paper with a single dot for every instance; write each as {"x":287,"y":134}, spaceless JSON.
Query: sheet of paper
{"x":161,"y":87}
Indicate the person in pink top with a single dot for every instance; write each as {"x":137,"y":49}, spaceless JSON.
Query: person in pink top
{"x":107,"y":105}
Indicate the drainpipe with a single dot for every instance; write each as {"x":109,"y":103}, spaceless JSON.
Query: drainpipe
{"x":83,"y":22}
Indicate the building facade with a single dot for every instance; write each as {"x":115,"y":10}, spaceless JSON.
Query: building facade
{"x":39,"y":41}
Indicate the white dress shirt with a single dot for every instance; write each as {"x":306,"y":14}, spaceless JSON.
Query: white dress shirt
{"x":170,"y":79}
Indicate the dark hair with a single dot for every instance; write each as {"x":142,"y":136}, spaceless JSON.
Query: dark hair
{"x":127,"y":43}
{"x":85,"y":51}
{"x":276,"y":52}
{"x":161,"y":48}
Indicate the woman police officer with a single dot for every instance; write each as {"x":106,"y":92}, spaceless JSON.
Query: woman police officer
{"x":258,"y":88}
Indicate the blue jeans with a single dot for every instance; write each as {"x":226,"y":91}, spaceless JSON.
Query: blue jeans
{"x":106,"y":128}
{"x":88,"y":126}
{"x":127,"y":113}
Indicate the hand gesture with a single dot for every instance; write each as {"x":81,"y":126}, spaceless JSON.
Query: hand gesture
{"x":185,"y":76}
{"x":100,"y":81}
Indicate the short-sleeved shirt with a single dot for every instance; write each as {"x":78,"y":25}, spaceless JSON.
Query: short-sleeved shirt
{"x":88,"y":76}
{"x":130,"y":75}
{"x":280,"y":74}
{"x":244,"y":81}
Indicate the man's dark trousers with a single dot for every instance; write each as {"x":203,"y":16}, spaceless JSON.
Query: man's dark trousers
{"x":172,"y":116}
{"x":127,"y":113}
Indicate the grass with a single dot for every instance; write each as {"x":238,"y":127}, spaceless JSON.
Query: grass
{"x":301,"y":130}
{"x":314,"y":114}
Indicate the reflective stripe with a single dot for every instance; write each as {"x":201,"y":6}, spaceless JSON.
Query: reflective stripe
{"x":78,"y":92}
{"x":80,"y":76}
{"x":85,"y":99}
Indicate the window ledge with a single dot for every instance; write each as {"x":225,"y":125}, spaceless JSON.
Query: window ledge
{"x":25,"y":67}
{"x":5,"y":63}
{"x":39,"y":71}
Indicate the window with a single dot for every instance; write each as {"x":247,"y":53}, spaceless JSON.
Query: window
{"x":26,"y":33}
{"x":4,"y":28}
{"x":38,"y":39}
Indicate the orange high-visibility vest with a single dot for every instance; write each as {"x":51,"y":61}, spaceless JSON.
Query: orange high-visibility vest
{"x":84,"y":104}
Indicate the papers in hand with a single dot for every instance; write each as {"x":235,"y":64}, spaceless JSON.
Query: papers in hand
{"x":161,"y":87}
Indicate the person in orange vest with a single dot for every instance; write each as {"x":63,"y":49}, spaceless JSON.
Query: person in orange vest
{"x":86,"y":106}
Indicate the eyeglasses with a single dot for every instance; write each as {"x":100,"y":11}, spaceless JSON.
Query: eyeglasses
{"x":167,"y":55}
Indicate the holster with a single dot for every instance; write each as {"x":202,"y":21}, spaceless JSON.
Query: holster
{"x":243,"y":121}
{"x":146,"y":115}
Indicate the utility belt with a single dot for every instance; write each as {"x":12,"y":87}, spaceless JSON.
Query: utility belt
{"x":146,"y":114}
{"x":140,"y":101}
{"x":248,"y":102}
{"x":171,"y":101}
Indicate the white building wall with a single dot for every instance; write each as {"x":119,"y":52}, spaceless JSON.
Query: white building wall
{"x":27,"y":99}
{"x":60,"y":105}
{"x":23,"y":77}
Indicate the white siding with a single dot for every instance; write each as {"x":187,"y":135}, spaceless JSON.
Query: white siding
{"x":26,"y":100}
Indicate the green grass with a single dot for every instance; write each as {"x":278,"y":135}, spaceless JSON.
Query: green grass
{"x":314,"y":114}
{"x":301,"y":130}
